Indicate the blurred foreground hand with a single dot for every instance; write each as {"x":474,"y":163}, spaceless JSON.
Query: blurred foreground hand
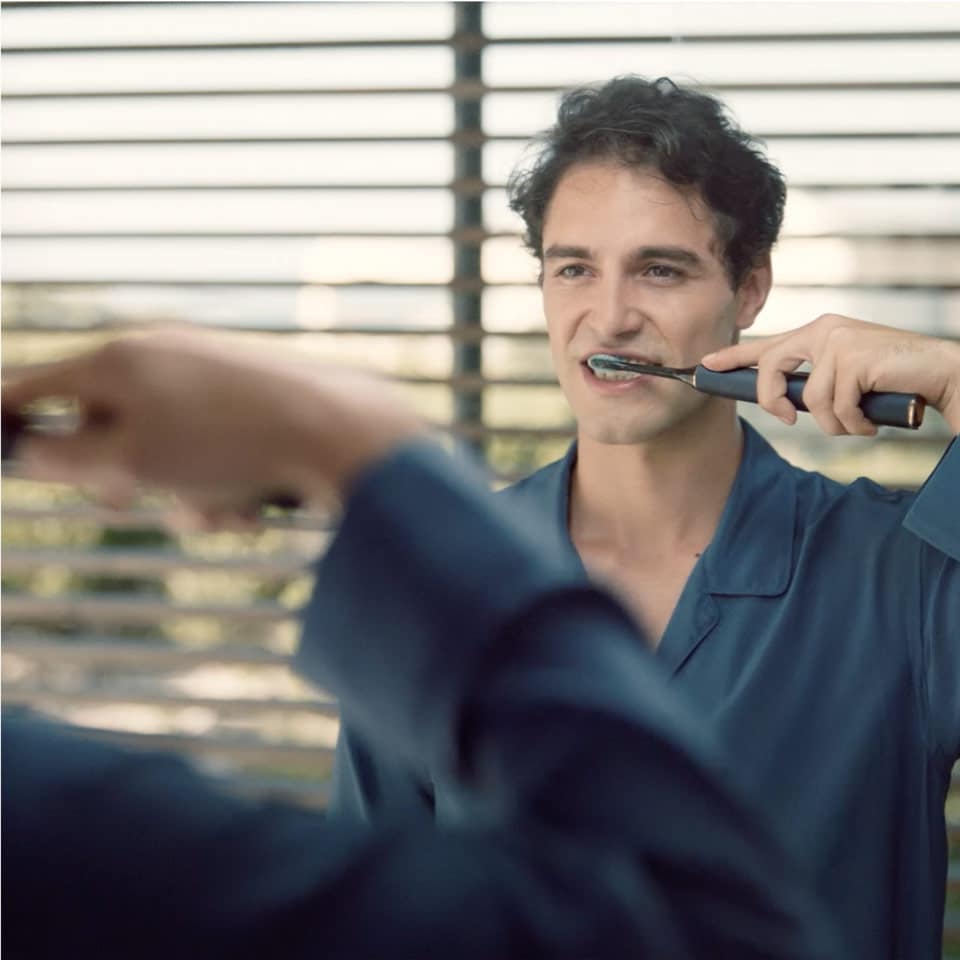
{"x":219,"y":422}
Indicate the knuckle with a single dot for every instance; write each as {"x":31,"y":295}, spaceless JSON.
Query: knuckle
{"x":838,"y":336}
{"x":814,"y":394}
{"x":850,"y":421}
{"x":829,"y":320}
{"x":768,"y":364}
{"x":117,"y":356}
{"x":769,"y":389}
{"x":114,"y":350}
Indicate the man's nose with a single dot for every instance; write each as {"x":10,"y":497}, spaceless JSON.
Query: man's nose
{"x":616,"y":314}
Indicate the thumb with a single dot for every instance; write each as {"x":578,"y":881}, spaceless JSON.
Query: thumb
{"x":67,"y":378}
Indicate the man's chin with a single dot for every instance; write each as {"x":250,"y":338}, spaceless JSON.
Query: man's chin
{"x":649,"y":423}
{"x":620,"y":434}
{"x":642,"y":428}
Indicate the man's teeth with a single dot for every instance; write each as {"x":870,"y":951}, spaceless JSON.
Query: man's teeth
{"x":601,"y":374}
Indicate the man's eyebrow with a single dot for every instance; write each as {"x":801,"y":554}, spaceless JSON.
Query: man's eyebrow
{"x":676,"y":254}
{"x":682,"y":255}
{"x":560,"y":251}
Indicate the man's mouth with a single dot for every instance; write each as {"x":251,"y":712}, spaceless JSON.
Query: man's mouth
{"x":594,"y":363}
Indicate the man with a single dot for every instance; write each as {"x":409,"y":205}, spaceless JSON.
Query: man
{"x":454,"y":641}
{"x":814,"y":627}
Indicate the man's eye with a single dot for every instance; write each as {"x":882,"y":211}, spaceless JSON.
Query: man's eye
{"x":571,"y":271}
{"x":660,"y":271}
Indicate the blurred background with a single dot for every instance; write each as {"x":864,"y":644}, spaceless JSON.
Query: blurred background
{"x":332,"y":174}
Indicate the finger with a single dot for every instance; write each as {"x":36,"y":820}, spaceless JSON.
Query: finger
{"x":745,"y":354}
{"x":847,"y":394}
{"x":818,"y":395}
{"x":772,"y":384}
{"x":69,"y":378}
{"x":233,"y":520}
{"x":114,"y":489}
{"x":85,"y":457}
{"x":182,"y":518}
{"x":209,"y":511}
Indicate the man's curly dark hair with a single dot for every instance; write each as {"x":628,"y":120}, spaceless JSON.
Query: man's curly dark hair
{"x":684,"y":134}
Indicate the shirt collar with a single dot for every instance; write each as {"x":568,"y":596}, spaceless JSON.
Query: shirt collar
{"x":751,"y":553}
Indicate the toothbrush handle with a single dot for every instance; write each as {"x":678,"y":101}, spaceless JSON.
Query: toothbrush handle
{"x":883,"y":408}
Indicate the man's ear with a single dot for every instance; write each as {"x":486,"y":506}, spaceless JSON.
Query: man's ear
{"x":753,"y":292}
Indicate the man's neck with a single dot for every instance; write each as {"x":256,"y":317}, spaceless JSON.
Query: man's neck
{"x":652,"y":499}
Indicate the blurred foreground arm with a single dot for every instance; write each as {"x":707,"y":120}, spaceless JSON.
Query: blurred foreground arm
{"x":221,"y":423}
{"x":601,"y":826}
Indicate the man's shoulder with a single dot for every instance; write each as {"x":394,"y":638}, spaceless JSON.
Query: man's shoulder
{"x":542,"y":497}
{"x":861,"y":501}
{"x":819,"y":502}
{"x":540,"y":484}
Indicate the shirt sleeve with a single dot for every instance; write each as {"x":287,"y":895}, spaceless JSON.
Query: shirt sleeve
{"x":366,"y":785}
{"x":602,"y":825}
{"x":465,"y":590}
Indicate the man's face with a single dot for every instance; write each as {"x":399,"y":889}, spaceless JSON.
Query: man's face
{"x":632,"y":267}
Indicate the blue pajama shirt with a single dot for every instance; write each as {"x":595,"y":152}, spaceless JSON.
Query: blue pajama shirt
{"x":819,"y":637}
{"x":455,"y":639}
